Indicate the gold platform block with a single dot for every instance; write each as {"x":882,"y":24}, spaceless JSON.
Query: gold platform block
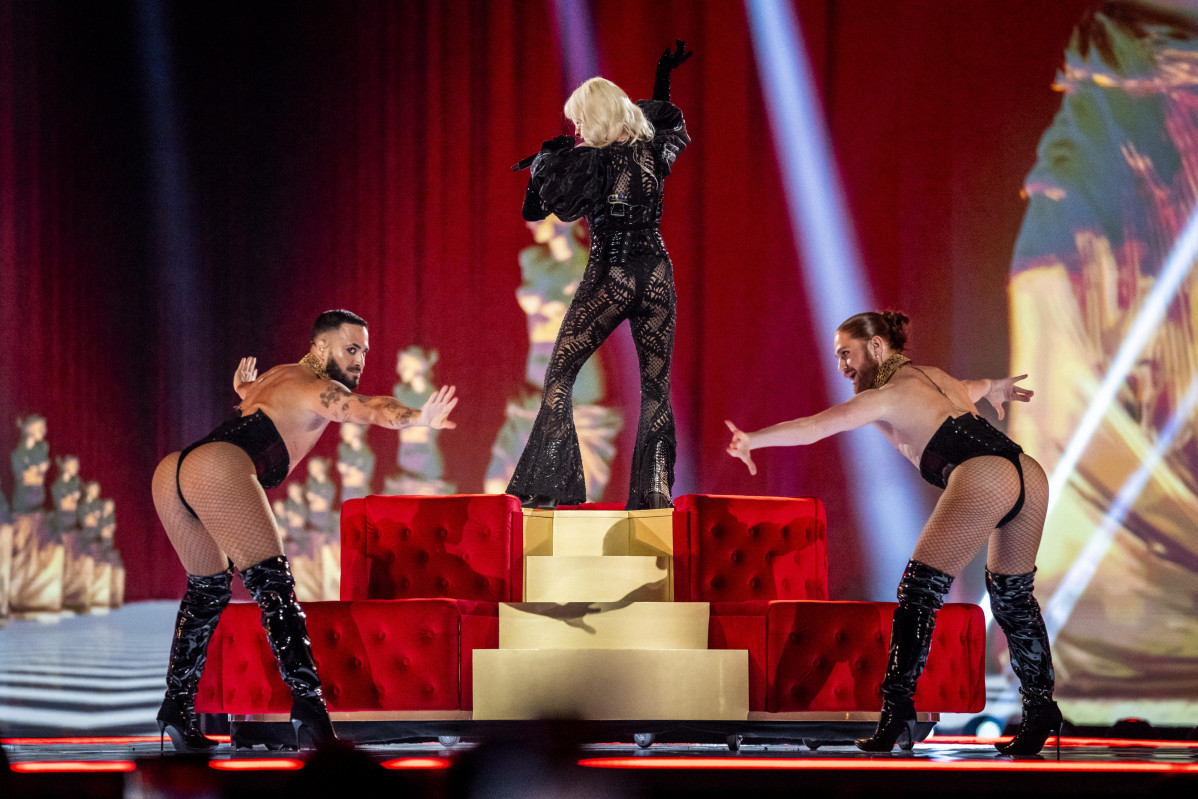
{"x":651,"y":532}
{"x":594,"y":578}
{"x":611,"y":684}
{"x":598,"y":532}
{"x":604,"y":625}
{"x":538,"y":532}
{"x":591,"y":532}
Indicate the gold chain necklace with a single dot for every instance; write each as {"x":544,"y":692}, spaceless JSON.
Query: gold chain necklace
{"x":313,"y":363}
{"x":889,"y":367}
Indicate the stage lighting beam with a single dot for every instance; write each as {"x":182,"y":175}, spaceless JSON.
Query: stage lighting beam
{"x":835,"y":285}
{"x":1059,"y":608}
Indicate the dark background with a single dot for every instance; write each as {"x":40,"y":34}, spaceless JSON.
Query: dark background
{"x":188,"y":183}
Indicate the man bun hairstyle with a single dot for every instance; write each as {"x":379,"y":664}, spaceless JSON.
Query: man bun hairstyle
{"x":890,"y":325}
{"x":331,"y":320}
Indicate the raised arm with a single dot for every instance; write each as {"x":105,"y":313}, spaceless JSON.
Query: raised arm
{"x":864,"y":408}
{"x":339,"y":404}
{"x":665,"y":65}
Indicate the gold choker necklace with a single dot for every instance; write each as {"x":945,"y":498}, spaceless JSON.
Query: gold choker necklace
{"x":313,"y":363}
{"x":889,"y":367}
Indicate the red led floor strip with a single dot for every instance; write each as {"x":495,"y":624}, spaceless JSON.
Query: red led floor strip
{"x":416,"y":763}
{"x":873,"y":764}
{"x":1113,"y":743}
{"x":257,"y":764}
{"x":118,"y":740}
{"x":64,"y":766}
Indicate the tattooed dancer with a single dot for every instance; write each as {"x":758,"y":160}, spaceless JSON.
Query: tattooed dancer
{"x":993,"y":494}
{"x":615,"y":178}
{"x":211,"y":501}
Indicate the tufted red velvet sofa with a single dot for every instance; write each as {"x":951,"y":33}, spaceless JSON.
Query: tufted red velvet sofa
{"x":422,"y":578}
{"x":762,"y":563}
{"x":420,"y":585}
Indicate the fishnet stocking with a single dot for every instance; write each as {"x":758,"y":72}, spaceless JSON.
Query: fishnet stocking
{"x":219,"y":482}
{"x":642,"y":291}
{"x":980,"y":492}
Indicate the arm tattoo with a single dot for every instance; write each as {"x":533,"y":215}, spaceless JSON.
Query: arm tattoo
{"x":333,"y":394}
{"x":395,"y":414}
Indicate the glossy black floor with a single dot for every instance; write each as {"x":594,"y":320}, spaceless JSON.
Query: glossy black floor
{"x":545,"y":762}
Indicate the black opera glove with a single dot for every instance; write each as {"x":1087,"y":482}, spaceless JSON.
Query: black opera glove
{"x":668,"y":62}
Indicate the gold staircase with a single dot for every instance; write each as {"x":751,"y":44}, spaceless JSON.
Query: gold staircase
{"x":599,"y":637}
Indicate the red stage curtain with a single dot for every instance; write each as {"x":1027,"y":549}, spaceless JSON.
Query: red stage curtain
{"x":356,"y":155}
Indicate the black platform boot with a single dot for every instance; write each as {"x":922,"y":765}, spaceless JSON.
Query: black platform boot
{"x":538,"y":502}
{"x":920,"y":594}
{"x":198,"y":615}
{"x":271,"y":585}
{"x":1018,"y":614}
{"x":658,"y":460}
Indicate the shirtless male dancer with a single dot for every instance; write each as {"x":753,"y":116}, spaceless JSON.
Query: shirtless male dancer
{"x":211,"y":501}
{"x":993,"y":493}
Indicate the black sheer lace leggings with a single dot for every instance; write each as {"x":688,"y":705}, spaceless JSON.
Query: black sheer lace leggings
{"x":641,"y":291}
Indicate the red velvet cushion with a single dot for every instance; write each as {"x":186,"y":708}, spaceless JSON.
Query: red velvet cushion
{"x":729,"y":548}
{"x":468,"y":546}
{"x":380,"y":655}
{"x":832,"y":656}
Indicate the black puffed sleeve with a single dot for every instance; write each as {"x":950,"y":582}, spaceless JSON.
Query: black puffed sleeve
{"x":670,"y":136}
{"x":569,"y":183}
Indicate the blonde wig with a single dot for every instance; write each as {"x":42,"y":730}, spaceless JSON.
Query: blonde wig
{"x":602,"y":111}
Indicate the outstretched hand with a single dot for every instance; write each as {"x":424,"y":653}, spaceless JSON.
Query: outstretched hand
{"x":739,"y":447}
{"x":677,"y":58}
{"x":435,"y":411}
{"x":247,"y":372}
{"x":1005,"y":390}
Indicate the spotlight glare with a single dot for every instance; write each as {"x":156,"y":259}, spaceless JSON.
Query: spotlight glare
{"x":834,"y":282}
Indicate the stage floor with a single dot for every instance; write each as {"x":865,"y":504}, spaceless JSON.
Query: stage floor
{"x":45,"y":766}
{"x":78,"y":698}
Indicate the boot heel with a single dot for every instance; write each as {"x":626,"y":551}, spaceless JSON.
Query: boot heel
{"x":297,"y":726}
{"x":909,"y":729}
{"x":161,"y":738}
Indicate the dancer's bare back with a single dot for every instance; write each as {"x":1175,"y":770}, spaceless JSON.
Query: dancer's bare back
{"x":301,"y":404}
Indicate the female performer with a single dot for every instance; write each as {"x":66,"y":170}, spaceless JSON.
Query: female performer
{"x":615,"y":178}
{"x":993,"y":492}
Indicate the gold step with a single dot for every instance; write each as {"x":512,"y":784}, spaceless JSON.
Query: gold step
{"x":598,"y":532}
{"x":604,"y":625}
{"x":607,"y":684}
{"x":594,"y":578}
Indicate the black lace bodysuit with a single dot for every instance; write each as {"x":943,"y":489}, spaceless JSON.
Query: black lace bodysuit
{"x":619,"y":190}
{"x":257,"y":435}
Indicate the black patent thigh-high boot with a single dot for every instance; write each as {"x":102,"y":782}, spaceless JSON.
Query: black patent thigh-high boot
{"x":920,"y":594}
{"x":198,"y":615}
{"x":271,"y":585}
{"x":1018,"y":614}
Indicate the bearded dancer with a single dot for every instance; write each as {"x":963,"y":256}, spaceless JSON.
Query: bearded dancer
{"x":211,"y":501}
{"x":993,"y":493}
{"x":615,"y":178}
